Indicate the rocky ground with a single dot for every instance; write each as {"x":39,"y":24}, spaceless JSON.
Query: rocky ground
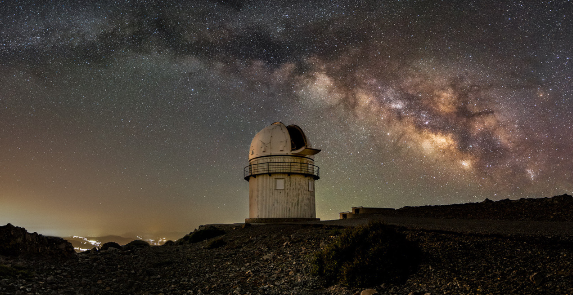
{"x":274,"y":259}
{"x":460,"y":257}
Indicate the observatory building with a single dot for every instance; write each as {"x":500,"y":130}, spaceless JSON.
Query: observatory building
{"x":281,"y":175}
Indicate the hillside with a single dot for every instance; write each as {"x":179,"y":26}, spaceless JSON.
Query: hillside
{"x":276,"y":259}
{"x":557,"y":208}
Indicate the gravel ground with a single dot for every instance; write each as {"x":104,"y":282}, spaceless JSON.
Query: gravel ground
{"x":500,"y":227}
{"x":274,"y":259}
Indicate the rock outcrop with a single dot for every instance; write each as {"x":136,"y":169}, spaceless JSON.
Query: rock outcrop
{"x":557,"y":208}
{"x":16,"y":241}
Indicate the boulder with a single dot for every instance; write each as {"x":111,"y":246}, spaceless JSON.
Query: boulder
{"x":136,"y":244}
{"x":110,"y":245}
{"x":16,"y":241}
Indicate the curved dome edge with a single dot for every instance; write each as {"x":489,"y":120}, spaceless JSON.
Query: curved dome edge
{"x":278,"y":139}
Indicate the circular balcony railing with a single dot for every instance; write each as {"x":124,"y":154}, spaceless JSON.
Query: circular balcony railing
{"x":281,"y":167}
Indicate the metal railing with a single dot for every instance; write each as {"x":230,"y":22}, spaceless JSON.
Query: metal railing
{"x":281,"y":167}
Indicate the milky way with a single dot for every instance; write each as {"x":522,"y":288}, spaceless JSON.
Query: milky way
{"x":136,"y":116}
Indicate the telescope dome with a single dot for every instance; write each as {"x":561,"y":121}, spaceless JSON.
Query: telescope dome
{"x":278,"y":139}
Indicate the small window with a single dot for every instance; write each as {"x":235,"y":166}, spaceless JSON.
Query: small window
{"x":311,"y":185}
{"x":279,"y":183}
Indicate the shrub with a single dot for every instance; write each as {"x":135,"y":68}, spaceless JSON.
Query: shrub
{"x":169,"y":243}
{"x":216,"y":244}
{"x":335,"y":232}
{"x":366,"y":256}
{"x":13,"y":272}
{"x":136,"y":244}
{"x":110,"y":245}
{"x":201,"y":235}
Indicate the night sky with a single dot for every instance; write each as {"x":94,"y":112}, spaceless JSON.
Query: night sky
{"x":122,"y":117}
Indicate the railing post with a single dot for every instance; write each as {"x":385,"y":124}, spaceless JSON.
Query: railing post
{"x":281,"y":167}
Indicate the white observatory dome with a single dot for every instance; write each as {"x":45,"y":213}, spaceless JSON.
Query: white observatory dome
{"x":281,"y":175}
{"x":278,"y":139}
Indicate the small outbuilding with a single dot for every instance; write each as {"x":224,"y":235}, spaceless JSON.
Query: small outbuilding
{"x":281,"y":175}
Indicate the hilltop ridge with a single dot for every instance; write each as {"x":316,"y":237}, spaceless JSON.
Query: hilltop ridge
{"x":557,"y":208}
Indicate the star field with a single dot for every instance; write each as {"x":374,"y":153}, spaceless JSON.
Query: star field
{"x":137,"y":116}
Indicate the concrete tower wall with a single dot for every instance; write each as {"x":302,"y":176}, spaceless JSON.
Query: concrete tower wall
{"x":293,"y":198}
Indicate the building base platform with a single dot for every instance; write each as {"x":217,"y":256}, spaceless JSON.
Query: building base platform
{"x":279,"y":220}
